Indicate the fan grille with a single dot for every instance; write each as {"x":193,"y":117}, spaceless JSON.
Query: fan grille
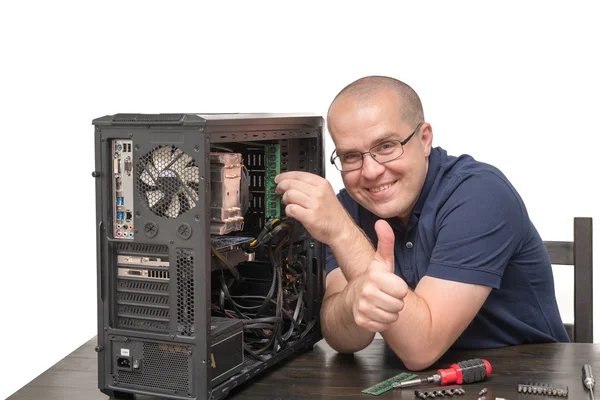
{"x":168,"y":181}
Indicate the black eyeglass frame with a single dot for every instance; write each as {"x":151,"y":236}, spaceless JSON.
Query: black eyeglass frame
{"x":362,"y":158}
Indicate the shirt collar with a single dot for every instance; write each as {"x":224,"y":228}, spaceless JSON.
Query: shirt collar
{"x":435,"y":161}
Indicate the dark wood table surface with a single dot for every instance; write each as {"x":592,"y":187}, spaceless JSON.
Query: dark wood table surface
{"x":322,"y":373}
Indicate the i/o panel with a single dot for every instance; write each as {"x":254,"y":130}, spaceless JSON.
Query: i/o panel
{"x":122,"y":184}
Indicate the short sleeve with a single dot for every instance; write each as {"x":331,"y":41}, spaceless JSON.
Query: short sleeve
{"x":478,"y":229}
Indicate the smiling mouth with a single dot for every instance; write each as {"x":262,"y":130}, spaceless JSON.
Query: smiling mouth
{"x":380,"y":188}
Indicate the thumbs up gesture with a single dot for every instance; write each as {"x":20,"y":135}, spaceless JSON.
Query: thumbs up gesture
{"x":377,"y":294}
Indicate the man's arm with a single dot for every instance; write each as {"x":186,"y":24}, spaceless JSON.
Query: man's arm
{"x":310,"y":199}
{"x":337,"y":322}
{"x":434,"y":316}
{"x":430,"y":319}
{"x":347,"y":323}
{"x":478,"y":231}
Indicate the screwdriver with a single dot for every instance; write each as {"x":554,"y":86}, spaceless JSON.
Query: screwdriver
{"x":588,"y":378}
{"x":468,"y":371}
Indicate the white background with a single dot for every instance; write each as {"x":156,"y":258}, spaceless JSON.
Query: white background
{"x":515,"y":84}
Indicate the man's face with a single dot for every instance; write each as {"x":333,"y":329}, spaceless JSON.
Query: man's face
{"x":391,"y":189}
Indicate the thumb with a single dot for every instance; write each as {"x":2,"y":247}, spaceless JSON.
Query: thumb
{"x":385,"y":244}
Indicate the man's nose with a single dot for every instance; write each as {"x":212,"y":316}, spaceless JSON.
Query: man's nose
{"x":371,"y":168}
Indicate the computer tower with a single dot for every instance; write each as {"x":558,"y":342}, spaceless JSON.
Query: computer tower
{"x":203,"y":281}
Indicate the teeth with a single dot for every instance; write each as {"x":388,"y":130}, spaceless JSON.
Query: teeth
{"x":380,"y":188}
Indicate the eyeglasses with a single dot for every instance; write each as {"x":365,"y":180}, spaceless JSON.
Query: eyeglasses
{"x":382,"y":153}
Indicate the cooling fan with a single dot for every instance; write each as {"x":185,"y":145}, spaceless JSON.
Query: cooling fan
{"x":168,"y":181}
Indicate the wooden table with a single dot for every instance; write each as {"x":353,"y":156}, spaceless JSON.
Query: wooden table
{"x":322,"y":373}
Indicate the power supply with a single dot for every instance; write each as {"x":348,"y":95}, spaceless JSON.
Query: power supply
{"x":203,"y":281}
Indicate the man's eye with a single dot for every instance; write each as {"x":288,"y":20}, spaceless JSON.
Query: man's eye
{"x":350,"y":157}
{"x":386,"y":147}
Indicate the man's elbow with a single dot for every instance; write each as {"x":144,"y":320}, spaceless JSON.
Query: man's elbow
{"x":418,"y":364}
{"x":419,"y":359}
{"x":346,"y":347}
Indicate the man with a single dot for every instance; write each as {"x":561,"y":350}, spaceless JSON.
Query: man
{"x":457,"y":261}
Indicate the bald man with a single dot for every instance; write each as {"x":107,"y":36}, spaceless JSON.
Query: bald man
{"x":432,"y":251}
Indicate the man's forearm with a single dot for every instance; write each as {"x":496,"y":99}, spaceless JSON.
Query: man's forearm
{"x":352,"y":249}
{"x":411,"y":335}
{"x":338,"y":327}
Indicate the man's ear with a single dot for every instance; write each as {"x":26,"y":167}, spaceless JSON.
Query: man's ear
{"x":426,"y":138}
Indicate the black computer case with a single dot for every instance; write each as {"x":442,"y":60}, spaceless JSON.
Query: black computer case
{"x":203,"y":281}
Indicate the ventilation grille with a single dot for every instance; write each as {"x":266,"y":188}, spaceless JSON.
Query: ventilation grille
{"x":156,"y":314}
{"x":168,"y":181}
{"x":147,"y":117}
{"x":285,"y":155}
{"x":142,"y":248}
{"x":144,"y":325}
{"x":136,"y":299}
{"x":185,"y":292}
{"x":142,"y":286}
{"x":165,"y":367}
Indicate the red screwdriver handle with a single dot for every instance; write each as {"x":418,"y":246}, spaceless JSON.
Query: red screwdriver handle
{"x":468,"y":371}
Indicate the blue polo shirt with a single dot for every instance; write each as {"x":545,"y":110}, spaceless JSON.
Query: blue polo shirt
{"x":470,"y":225}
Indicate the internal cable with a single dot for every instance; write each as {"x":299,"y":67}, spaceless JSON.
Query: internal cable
{"x":224,"y":261}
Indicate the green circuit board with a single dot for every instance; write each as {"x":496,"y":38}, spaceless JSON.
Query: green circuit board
{"x":272,"y":169}
{"x":388,"y":384}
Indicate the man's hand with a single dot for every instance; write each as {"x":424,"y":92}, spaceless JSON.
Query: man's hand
{"x":311,"y":200}
{"x":377,"y":295}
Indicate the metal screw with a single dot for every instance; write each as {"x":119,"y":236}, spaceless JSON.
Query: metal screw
{"x":99,"y":348}
{"x":483,"y":391}
{"x":196,"y":148}
{"x":96,"y":174}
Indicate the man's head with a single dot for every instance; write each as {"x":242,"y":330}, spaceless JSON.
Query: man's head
{"x":378,"y":113}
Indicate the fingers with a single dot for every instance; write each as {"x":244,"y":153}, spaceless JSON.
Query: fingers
{"x":368,"y":316}
{"x":299,"y":176}
{"x":390,"y":284}
{"x":386,"y":302}
{"x":298,"y":192}
{"x":297,"y":197}
{"x":382,"y":316}
{"x":385,"y":244}
{"x":374,"y":326}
